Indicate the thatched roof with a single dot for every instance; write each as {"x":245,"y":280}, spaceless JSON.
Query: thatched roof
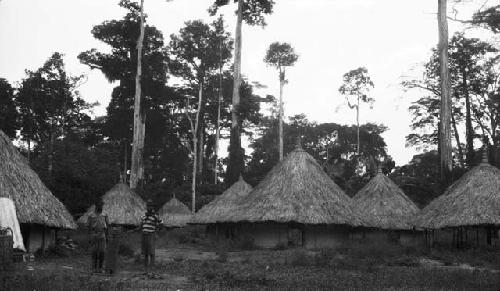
{"x":34,"y":202}
{"x":222,"y":207}
{"x":122,"y":206}
{"x":472,"y":200}
{"x":297,"y":190}
{"x":175,"y":214}
{"x":383,"y":204}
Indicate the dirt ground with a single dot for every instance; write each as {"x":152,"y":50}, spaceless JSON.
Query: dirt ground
{"x":187,"y":262}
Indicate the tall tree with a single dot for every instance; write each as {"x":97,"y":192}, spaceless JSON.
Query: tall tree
{"x":471,"y":78}
{"x":356,"y":84}
{"x":159,"y":101}
{"x":252,"y":12}
{"x":196,"y":53}
{"x":137,"y":167}
{"x":445,"y":149}
{"x":50,"y":107}
{"x":280,"y":56}
{"x":8,"y":110}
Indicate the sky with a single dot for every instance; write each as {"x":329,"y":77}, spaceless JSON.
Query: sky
{"x":391,"y":38}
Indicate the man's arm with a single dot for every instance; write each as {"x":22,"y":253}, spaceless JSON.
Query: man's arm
{"x":107,"y":227}
{"x":88,"y":227}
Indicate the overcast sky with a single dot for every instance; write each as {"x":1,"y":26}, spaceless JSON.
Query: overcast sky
{"x":388,"y":37}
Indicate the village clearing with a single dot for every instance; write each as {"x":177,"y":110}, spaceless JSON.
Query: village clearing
{"x":187,"y":261}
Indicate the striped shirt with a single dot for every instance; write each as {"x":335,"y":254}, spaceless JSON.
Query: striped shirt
{"x":150,"y":223}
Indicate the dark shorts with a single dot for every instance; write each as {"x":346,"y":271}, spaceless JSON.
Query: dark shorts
{"x":98,"y":244}
{"x":148,"y":244}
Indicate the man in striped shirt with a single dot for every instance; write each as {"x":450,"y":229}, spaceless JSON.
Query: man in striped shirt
{"x":150,"y":224}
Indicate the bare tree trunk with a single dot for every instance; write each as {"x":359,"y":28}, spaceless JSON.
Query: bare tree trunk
{"x":235,"y":153}
{"x":125,"y":160}
{"x":217,"y":127}
{"x":139,"y":122}
{"x":280,"y":125}
{"x":357,"y":123}
{"x":201,"y":151}
{"x":195,"y":150}
{"x":469,"y":131}
{"x":445,"y":112}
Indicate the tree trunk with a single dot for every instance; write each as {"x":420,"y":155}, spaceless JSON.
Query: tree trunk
{"x":193,"y":178}
{"x":201,"y":152}
{"x":125,"y":161}
{"x":195,"y":149}
{"x":445,"y":111}
{"x":469,"y":131}
{"x":457,"y":139}
{"x":357,"y":123}
{"x":280,"y":125}
{"x":236,"y":152}
{"x":139,"y":116}
{"x":217,"y":127}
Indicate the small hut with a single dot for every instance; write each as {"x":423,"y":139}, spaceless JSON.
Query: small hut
{"x":121,"y":205}
{"x":386,"y":210}
{"x":217,"y":214}
{"x":39,"y":212}
{"x":175,"y":214}
{"x":467,"y":207}
{"x":296,"y":204}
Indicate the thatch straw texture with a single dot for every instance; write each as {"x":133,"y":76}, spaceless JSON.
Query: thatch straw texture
{"x":122,"y":206}
{"x":175,"y":214}
{"x":383,"y":204}
{"x":222,"y":208}
{"x":472,"y":200}
{"x":297,"y":190}
{"x":34,"y":203}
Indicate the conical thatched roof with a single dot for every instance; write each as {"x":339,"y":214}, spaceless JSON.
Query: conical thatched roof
{"x":383,"y":204}
{"x":122,"y":206}
{"x":297,"y":190}
{"x":472,"y":200}
{"x":175,"y":214}
{"x":222,"y":207}
{"x":34,"y":202}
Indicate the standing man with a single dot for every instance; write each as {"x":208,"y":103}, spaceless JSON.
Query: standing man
{"x":98,"y":236}
{"x":150,"y":226}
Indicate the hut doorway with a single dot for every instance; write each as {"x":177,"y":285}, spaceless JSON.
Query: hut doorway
{"x":295,"y":235}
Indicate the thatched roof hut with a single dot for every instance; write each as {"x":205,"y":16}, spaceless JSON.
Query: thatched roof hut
{"x":175,"y":214}
{"x":297,"y":190}
{"x":472,"y":200}
{"x":221,"y":208}
{"x":34,"y":203}
{"x":122,"y":206}
{"x":383,"y":204}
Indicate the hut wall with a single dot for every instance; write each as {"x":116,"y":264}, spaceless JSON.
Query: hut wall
{"x":411,"y":238}
{"x":33,"y":236}
{"x":266,"y":235}
{"x":222,"y":231}
{"x":325,"y":236}
{"x":470,"y":236}
{"x":402,"y":237}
